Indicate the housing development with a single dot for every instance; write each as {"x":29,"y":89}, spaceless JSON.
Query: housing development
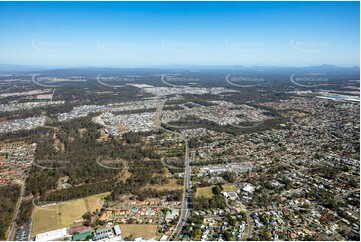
{"x":179,"y":162}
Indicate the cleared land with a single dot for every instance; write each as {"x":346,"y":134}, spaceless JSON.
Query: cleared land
{"x":204,"y":192}
{"x":125,"y":174}
{"x":147,"y":231}
{"x":65,"y":214}
{"x":229,"y":188}
{"x":207,"y":191}
{"x":172,"y":185}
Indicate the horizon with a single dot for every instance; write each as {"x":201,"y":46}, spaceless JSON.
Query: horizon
{"x":153,"y":34}
{"x":18,"y":67}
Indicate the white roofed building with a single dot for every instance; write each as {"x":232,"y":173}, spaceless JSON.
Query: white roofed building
{"x":58,"y":234}
{"x":248,"y":188}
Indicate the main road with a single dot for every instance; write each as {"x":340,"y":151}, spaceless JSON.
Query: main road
{"x":187,"y":196}
{"x":12,"y":230}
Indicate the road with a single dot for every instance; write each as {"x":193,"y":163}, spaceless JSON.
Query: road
{"x":13,"y":224}
{"x":187,"y":196}
{"x":186,"y":201}
{"x":340,"y":197}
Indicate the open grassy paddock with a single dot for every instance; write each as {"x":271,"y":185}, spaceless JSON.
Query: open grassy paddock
{"x":204,"y":192}
{"x":207,"y":191}
{"x":147,"y":231}
{"x":229,"y":188}
{"x":64,"y":214}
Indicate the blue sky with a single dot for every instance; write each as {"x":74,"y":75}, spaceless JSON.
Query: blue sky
{"x":166,"y":33}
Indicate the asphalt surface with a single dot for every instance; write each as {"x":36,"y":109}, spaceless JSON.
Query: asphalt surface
{"x":186,"y":202}
{"x":13,"y":224}
{"x":187,"y":196}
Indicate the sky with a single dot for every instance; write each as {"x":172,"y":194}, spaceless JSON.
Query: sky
{"x":180,"y":33}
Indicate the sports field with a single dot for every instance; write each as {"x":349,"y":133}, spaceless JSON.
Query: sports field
{"x":147,"y":231}
{"x":64,"y":214}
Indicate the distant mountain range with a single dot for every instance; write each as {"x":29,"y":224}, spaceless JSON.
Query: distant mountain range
{"x":29,"y":68}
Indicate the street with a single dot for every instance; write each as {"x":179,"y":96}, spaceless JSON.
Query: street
{"x":186,"y":203}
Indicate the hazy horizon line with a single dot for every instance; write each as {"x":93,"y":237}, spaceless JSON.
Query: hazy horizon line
{"x":174,"y":65}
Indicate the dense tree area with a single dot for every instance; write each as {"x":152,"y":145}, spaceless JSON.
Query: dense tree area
{"x":23,"y":135}
{"x":79,"y":191}
{"x":195,"y":122}
{"x":25,"y":211}
{"x":170,"y":195}
{"x":9,"y":197}
{"x":203,"y":203}
{"x":143,"y":110}
{"x":134,"y":137}
{"x":96,"y":94}
{"x":142,"y":174}
{"x":73,"y":149}
{"x":77,"y":153}
{"x":40,"y":182}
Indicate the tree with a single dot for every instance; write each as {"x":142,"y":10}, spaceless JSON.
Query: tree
{"x":129,"y":238}
{"x":230,"y":177}
{"x":217,"y":190}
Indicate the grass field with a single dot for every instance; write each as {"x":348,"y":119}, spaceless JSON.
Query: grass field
{"x":229,"y":188}
{"x":64,"y":214}
{"x":204,"y":192}
{"x":172,"y":185}
{"x":147,"y":231}
{"x":207,"y":191}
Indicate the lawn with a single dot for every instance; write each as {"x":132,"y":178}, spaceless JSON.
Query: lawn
{"x":229,"y":188}
{"x":64,"y":214}
{"x":204,"y":192}
{"x":147,"y":231}
{"x":207,"y":191}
